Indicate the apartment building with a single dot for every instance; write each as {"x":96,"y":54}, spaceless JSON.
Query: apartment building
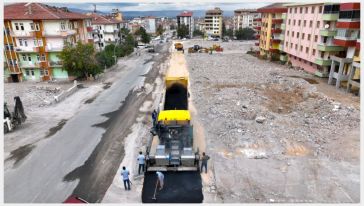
{"x":35,"y":34}
{"x":213,"y":22}
{"x":106,"y":30}
{"x":345,"y":66}
{"x":150,"y":24}
{"x":270,"y":30}
{"x":186,"y":18}
{"x":244,"y":18}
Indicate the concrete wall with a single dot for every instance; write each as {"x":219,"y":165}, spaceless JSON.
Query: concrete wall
{"x":55,"y":43}
{"x":59,"y":73}
{"x":53,"y":27}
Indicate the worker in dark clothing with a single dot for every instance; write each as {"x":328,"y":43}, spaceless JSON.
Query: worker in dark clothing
{"x":141,"y":161}
{"x":204,"y":160}
{"x":154,"y":117}
{"x":125,"y":175}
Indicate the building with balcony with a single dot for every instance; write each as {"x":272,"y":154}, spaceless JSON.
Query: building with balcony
{"x":213,"y":22}
{"x":305,"y":39}
{"x":345,"y":66}
{"x":245,"y":18}
{"x":270,"y":30}
{"x":35,"y":34}
{"x":186,"y":19}
{"x":106,"y":30}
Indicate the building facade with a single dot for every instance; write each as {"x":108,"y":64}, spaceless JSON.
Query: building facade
{"x":270,"y":30}
{"x":35,"y":34}
{"x":244,"y":18}
{"x":186,"y":19}
{"x":106,"y":30}
{"x":213,"y":22}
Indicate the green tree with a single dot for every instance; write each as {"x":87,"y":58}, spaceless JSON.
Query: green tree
{"x":229,"y":33}
{"x":223,"y":29}
{"x":80,"y":60}
{"x":198,"y":33}
{"x":245,"y":34}
{"x":145,"y":37}
{"x":182,"y":31}
{"x":160,"y":30}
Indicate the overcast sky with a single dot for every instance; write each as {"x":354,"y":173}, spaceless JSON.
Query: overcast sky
{"x":106,"y":7}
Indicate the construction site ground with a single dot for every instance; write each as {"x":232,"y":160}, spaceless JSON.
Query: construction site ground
{"x":274,"y":134}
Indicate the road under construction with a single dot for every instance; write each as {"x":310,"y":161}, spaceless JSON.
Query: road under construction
{"x":173,"y":148}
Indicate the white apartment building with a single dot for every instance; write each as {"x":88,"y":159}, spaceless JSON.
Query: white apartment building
{"x":213,"y":22}
{"x":186,"y":19}
{"x":244,"y":18}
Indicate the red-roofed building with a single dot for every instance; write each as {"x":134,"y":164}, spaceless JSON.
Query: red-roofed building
{"x":186,"y":19}
{"x":35,"y":34}
{"x":106,"y":30}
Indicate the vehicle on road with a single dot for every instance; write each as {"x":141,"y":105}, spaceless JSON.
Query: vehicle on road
{"x":13,"y":119}
{"x":74,"y":199}
{"x":179,"y":46}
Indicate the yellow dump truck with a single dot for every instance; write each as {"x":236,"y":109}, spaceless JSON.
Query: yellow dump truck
{"x":179,"y":46}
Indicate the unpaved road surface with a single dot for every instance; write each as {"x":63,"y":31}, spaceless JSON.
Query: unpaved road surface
{"x":272,"y":136}
{"x":85,"y":152}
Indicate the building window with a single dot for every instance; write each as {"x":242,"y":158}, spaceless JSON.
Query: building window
{"x":311,"y":23}
{"x":309,"y":37}
{"x":306,"y":50}
{"x":38,"y":58}
{"x":316,"y":37}
{"x":304,"y":22}
{"x":320,"y":9}
{"x":290,"y":10}
{"x":298,"y":35}
{"x":40,"y":42}
{"x":37,"y":27}
{"x":41,"y":72}
{"x":287,"y":33}
{"x":43,"y":58}
{"x":11,"y":47}
{"x":70,"y":25}
{"x":24,"y":57}
{"x":295,"y":46}
{"x":35,"y":42}
{"x":318,"y":24}
{"x":21,"y":26}
{"x":32,"y":26}
{"x":313,"y":52}
{"x":46,"y":72}
{"x":63,"y":26}
{"x":295,"y":10}
{"x":286,"y":44}
{"x":301,"y":10}
{"x":27,"y":72}
{"x":25,"y":42}
{"x":291,"y":45}
{"x":306,"y":10}
{"x":312,"y":10}
{"x":303,"y":36}
{"x":29,"y":58}
{"x":301,"y":48}
{"x":299,"y":22}
{"x":32,"y":72}
{"x":292,"y":33}
{"x":289,"y":21}
{"x":294,"y":22}
{"x":16,"y":26}
{"x":20,"y":42}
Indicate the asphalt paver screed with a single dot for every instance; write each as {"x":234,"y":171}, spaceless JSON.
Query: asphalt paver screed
{"x":179,"y":187}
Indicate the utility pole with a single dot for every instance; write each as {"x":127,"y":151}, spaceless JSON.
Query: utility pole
{"x":94,"y":8}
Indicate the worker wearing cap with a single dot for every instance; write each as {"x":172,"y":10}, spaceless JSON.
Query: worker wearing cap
{"x":160,"y":179}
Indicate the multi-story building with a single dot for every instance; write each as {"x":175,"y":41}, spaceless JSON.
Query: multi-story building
{"x":270,"y":30}
{"x":150,"y":24}
{"x":106,"y":30}
{"x":347,"y":36}
{"x":35,"y":34}
{"x":186,"y":19}
{"x":213,"y":22}
{"x":244,"y":18}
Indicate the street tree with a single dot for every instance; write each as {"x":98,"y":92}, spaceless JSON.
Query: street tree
{"x":198,"y":33}
{"x":80,"y":60}
{"x":245,"y":34}
{"x":145,"y":37}
{"x":182,"y":31}
{"x":160,"y":30}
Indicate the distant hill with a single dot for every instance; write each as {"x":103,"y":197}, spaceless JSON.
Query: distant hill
{"x":164,"y":13}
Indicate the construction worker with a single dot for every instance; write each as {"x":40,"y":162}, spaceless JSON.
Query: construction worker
{"x":141,"y":161}
{"x":125,"y":174}
{"x":160,"y":179}
{"x":154,"y":117}
{"x":204,"y":160}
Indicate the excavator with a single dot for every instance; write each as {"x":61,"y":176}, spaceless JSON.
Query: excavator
{"x":16,"y":118}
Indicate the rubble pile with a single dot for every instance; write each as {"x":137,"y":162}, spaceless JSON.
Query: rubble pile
{"x":255,"y":109}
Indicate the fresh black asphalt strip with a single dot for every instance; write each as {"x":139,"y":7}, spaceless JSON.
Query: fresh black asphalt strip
{"x":179,"y":187}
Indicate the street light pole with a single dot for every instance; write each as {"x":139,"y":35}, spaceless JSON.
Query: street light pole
{"x":114,"y":50}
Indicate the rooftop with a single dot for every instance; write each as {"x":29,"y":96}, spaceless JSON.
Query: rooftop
{"x":186,"y":13}
{"x":99,"y":19}
{"x":273,"y":8}
{"x":38,"y":11}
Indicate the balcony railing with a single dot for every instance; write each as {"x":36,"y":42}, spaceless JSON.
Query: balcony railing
{"x":59,"y":33}
{"x":277,"y":21}
{"x":323,"y":62}
{"x":328,"y":32}
{"x":55,"y":63}
{"x":284,"y":15}
{"x":329,"y":47}
{"x":112,"y":31}
{"x":53,"y":49}
{"x":258,"y":19}
{"x":29,"y":64}
{"x":276,"y":30}
{"x":22,"y":33}
{"x":27,"y":49}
